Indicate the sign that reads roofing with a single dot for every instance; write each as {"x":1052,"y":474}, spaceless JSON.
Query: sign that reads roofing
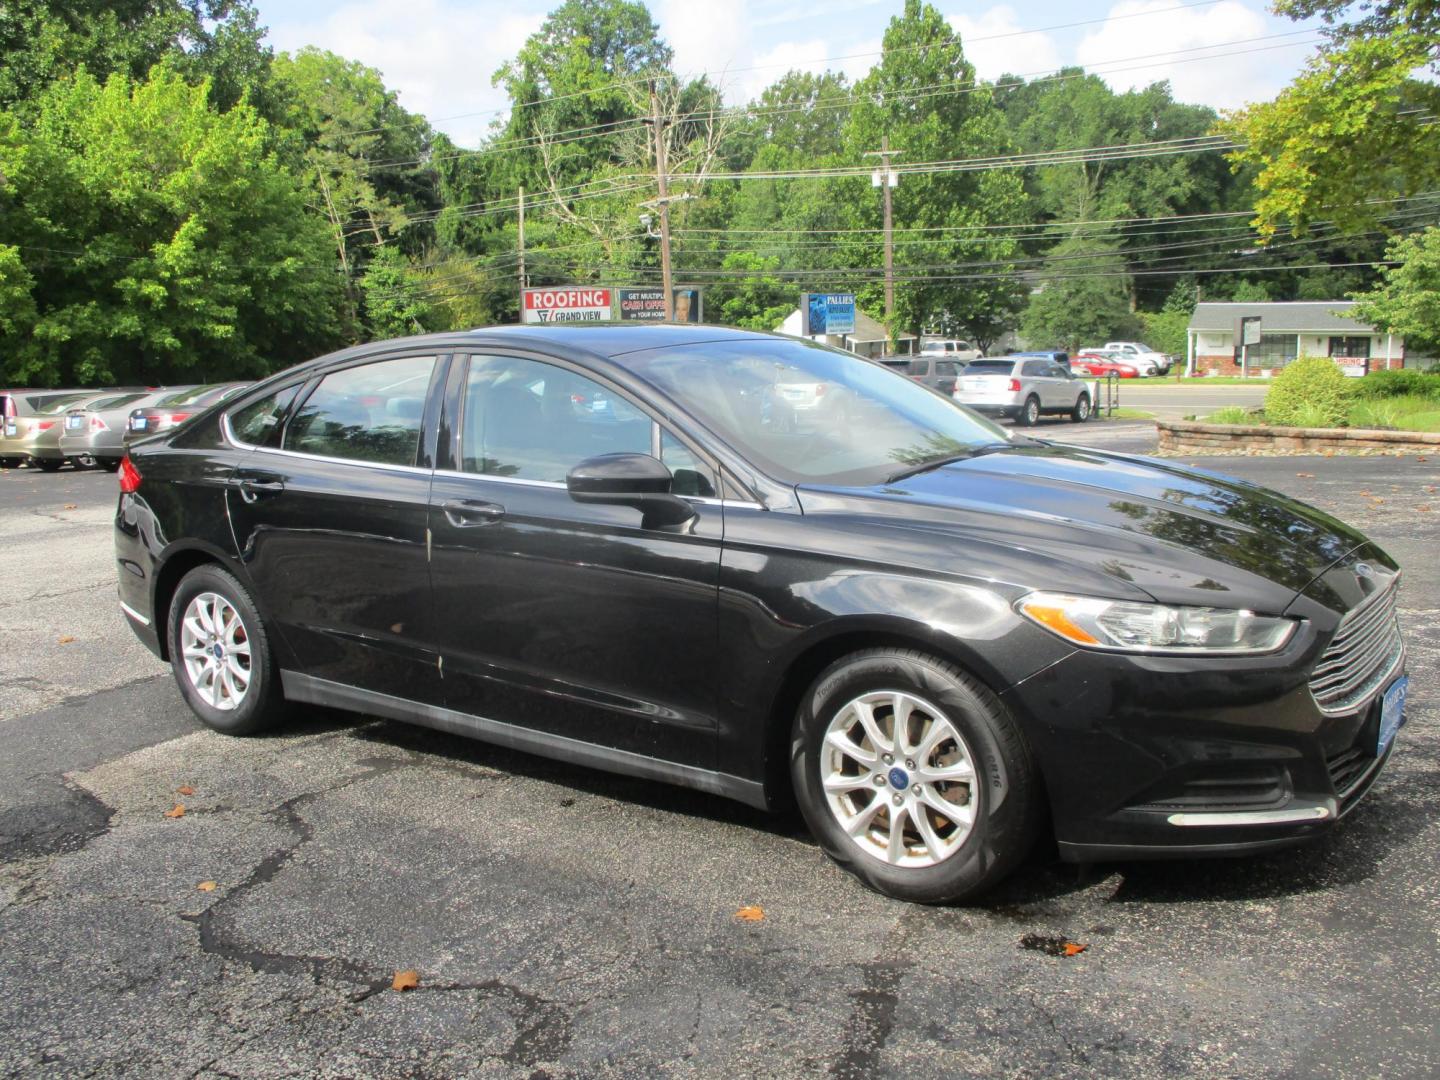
{"x":565,"y":303}
{"x":828,"y":313}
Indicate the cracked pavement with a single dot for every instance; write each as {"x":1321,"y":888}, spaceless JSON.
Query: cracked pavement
{"x":568,"y":923}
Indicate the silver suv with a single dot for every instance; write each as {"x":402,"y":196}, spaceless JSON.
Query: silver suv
{"x":1024,"y":390}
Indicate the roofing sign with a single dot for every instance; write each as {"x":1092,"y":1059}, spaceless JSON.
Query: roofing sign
{"x":565,"y":303}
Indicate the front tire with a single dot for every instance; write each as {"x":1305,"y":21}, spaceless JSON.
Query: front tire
{"x":1029,"y":412}
{"x":1081,"y":412}
{"x":221,"y":656}
{"x":913,"y":776}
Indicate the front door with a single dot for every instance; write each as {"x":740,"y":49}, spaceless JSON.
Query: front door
{"x":330,"y":525}
{"x":563,"y":617}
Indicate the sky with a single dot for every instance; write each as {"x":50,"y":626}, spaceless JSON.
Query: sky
{"x":440,"y":55}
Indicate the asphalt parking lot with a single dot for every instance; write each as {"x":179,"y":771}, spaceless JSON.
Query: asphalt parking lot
{"x":563,"y":922}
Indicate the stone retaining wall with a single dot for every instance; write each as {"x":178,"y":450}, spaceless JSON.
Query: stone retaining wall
{"x":1185,"y":436}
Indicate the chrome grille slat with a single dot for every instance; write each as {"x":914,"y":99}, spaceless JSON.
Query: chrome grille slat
{"x":1365,"y":649}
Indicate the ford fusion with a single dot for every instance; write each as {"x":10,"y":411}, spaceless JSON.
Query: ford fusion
{"x":772,"y":571}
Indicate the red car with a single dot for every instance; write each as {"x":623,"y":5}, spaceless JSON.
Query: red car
{"x":1102,"y":366}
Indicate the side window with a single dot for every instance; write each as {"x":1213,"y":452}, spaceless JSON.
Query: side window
{"x":919,"y":367}
{"x":536,"y":421}
{"x":1033,"y":369}
{"x":256,"y":423}
{"x":692,"y":476}
{"x":369,"y":413}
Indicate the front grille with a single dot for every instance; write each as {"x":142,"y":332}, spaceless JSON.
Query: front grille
{"x":1348,"y":768}
{"x":1363,"y":652}
{"x":1260,"y":787}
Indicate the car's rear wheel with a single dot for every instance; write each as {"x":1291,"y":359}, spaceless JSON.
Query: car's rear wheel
{"x":221,"y":655}
{"x":913,"y":776}
{"x":1081,"y":412}
{"x":1029,"y":412}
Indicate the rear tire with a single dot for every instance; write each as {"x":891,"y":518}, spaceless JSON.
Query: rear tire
{"x":1081,"y":412}
{"x":1029,"y":412}
{"x":235,"y":690}
{"x":940,"y":857}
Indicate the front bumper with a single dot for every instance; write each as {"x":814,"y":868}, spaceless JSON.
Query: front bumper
{"x":1150,"y":757}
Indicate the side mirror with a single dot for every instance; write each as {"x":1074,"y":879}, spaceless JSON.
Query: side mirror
{"x":635,"y":480}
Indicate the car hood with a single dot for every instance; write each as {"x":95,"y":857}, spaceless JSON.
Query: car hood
{"x":1050,"y":516}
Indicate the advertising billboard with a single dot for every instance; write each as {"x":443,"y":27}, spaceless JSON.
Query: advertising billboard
{"x":565,"y":303}
{"x":649,"y":305}
{"x":828,"y":313}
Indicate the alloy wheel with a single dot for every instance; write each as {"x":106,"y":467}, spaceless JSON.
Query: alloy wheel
{"x":899,"y":778}
{"x":215,"y":646}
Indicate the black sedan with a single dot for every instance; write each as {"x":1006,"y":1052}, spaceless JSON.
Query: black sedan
{"x":773,"y":571}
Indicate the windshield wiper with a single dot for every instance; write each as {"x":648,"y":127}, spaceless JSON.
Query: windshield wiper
{"x":948,"y":459}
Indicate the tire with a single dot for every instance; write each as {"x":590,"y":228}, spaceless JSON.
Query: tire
{"x":110,"y":464}
{"x":1029,"y":414}
{"x":1003,"y":799}
{"x":261,"y":704}
{"x":48,"y":464}
{"x":1081,"y":412}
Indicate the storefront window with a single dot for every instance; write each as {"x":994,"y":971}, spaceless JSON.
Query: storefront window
{"x":1274,"y":351}
{"x":1355,"y":348}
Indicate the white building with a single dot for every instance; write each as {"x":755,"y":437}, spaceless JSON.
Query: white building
{"x":1287,"y":331}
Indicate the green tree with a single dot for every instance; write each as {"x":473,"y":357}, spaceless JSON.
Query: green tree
{"x":1355,"y":128}
{"x":1406,"y":301}
{"x":163,"y":239}
{"x":1165,"y":330}
{"x":756,"y":299}
{"x":395,"y":301}
{"x":1083,"y":298}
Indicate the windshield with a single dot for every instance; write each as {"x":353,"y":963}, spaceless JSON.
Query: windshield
{"x":45,"y":406}
{"x":804,"y":413}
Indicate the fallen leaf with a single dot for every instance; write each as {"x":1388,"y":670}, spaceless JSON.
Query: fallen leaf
{"x":66,"y":640}
{"x":1377,"y":498}
{"x":1052,"y":946}
{"x":184,"y":789}
{"x":751,"y":913}
{"x":178,"y":810}
{"x":1365,"y":493}
{"x":1306,"y":475}
{"x":1424,"y":508}
{"x":76,"y":506}
{"x":405,"y":980}
{"x":206,"y":886}
{"x":1074,"y":948}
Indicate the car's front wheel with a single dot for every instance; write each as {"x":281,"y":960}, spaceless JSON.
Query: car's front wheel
{"x":912,"y":775}
{"x":221,"y":654}
{"x":1081,"y":412}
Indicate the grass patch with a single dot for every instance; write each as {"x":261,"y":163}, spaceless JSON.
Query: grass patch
{"x":1413,"y":412}
{"x":1234,"y":414}
{"x":1123,"y":413}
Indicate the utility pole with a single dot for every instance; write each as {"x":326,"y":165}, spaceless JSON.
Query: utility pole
{"x":662,"y":185}
{"x":887,"y":179}
{"x":522,"y":238}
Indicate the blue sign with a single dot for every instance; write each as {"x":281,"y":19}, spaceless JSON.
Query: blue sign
{"x":828,"y":313}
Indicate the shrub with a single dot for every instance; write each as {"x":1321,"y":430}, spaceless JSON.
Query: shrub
{"x":1400,"y":383}
{"x":1312,"y":384}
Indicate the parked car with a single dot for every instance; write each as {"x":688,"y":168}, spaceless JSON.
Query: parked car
{"x":954,"y":348}
{"x":407,"y":529}
{"x":175,"y":408}
{"x":929,"y":369}
{"x":33,"y":418}
{"x":1103,"y":366}
{"x":1055,"y":356}
{"x":94,"y":431}
{"x":1024,"y":390}
{"x":1142,"y":356}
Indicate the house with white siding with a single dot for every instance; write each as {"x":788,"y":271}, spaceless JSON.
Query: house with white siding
{"x":1287,"y":330}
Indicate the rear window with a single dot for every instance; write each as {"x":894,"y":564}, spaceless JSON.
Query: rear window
{"x":116,"y":402}
{"x":902,"y":366}
{"x":46,"y":404}
{"x":989,"y":367}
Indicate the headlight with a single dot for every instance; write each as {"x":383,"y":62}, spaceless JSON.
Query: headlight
{"x":1129,"y":627}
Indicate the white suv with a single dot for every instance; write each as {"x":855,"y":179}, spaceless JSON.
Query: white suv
{"x":950,"y":348}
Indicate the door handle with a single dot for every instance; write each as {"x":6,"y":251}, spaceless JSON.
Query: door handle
{"x":252,"y":487}
{"x":467,"y":513}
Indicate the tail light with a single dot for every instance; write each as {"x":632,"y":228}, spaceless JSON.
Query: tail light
{"x":1014,"y":386}
{"x":177,"y":418}
{"x":129,"y":476}
{"x":44,"y":425}
{"x":96,"y":424}
{"x":820,"y":390}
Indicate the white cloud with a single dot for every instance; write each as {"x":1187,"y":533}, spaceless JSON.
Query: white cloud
{"x":439,"y":56}
{"x":709,"y":37}
{"x":1223,"y":75}
{"x":1002,"y":46}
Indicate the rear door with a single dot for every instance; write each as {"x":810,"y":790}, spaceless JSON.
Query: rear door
{"x":563,"y":617}
{"x":331,"y":525}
